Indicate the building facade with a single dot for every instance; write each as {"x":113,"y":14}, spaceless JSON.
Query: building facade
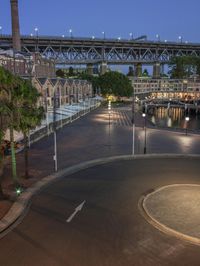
{"x":167,"y":88}
{"x":65,"y":91}
{"x":24,"y":65}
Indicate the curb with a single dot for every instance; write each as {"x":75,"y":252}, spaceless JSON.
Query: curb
{"x":19,"y":208}
{"x":160,"y":226}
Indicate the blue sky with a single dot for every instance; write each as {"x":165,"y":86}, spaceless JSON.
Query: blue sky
{"x":169,"y":18}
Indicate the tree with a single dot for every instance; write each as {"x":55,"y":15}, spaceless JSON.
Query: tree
{"x":115,"y":83}
{"x":60,"y":73}
{"x":9,"y":85}
{"x":184,"y":66}
{"x":93,"y":79}
{"x":145,"y":73}
{"x":71,"y":72}
{"x":130,"y":71}
{"x":30,"y":116}
{"x":3,"y":127}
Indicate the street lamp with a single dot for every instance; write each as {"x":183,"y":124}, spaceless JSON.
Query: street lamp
{"x":180,"y":38}
{"x":54,"y":132}
{"x":63,"y":36}
{"x":1,"y":28}
{"x":93,"y":37}
{"x":31,"y":34}
{"x":109,"y":110}
{"x":145,"y":133}
{"x":119,"y":38}
{"x":187,"y":120}
{"x":104,"y":34}
{"x":70,"y":32}
{"x":131,"y":36}
{"x":133,"y":122}
{"x":36,"y":32}
{"x":158,"y":37}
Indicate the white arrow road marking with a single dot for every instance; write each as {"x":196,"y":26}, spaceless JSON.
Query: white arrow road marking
{"x":79,"y":208}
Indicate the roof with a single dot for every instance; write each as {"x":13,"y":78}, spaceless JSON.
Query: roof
{"x":42,"y":80}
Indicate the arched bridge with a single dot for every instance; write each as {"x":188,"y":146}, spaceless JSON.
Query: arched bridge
{"x":93,"y":50}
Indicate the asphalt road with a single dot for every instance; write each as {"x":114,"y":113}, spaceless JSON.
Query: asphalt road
{"x":91,"y":137}
{"x":109,"y":230}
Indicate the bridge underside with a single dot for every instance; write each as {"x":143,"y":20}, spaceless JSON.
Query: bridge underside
{"x":88,"y":51}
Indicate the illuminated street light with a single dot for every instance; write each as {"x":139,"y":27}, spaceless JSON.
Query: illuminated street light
{"x":63,"y":36}
{"x":36,"y":32}
{"x":131,"y":35}
{"x":165,"y":40}
{"x":31,"y":34}
{"x":18,"y":191}
{"x":93,"y":37}
{"x":180,"y":38}
{"x":145,"y":134}
{"x":119,"y":38}
{"x":70,"y":32}
{"x":1,"y":28}
{"x":104,"y":34}
{"x":158,"y":37}
{"x":187,"y":119}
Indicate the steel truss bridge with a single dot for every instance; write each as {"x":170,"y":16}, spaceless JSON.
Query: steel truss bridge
{"x":94,"y":51}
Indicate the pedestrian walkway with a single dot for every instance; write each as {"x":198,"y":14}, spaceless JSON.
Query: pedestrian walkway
{"x":63,"y":115}
{"x":174,"y":209}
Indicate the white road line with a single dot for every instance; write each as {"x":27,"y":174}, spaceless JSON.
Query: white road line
{"x":79,"y":208}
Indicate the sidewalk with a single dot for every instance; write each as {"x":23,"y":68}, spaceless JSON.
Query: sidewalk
{"x":72,"y":112}
{"x":174,"y":209}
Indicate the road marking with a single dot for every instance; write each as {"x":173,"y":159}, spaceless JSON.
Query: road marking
{"x":79,"y":208}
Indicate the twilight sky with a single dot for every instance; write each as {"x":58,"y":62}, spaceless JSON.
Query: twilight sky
{"x":169,"y":18}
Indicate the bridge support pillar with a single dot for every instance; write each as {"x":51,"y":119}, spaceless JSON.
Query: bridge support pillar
{"x":103,"y":68}
{"x":156,"y":70}
{"x":138,"y":70}
{"x":89,"y":69}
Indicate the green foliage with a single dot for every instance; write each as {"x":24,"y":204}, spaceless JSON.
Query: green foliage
{"x":184,"y":66}
{"x":115,"y":83}
{"x":130,"y":72}
{"x":145,"y":73}
{"x":93,"y":79}
{"x":71,"y":72}
{"x":19,"y":111}
{"x":60,"y":73}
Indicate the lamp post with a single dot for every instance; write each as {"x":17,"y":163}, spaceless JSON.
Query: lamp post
{"x":158,"y":37}
{"x":54,"y":132}
{"x":1,"y":28}
{"x":131,"y":36}
{"x":104,"y":34}
{"x":133,"y":123}
{"x":109,"y":112}
{"x":36,"y":34}
{"x":70,"y":33}
{"x":145,"y":133}
{"x":180,"y":39}
{"x":186,"y":128}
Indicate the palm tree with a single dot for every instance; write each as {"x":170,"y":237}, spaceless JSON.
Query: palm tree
{"x":30,"y":116}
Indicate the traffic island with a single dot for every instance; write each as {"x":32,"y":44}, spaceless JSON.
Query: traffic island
{"x":174,"y":210}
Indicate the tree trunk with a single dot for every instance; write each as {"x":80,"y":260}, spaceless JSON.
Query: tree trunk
{"x":26,"y":156}
{"x":2,"y":196}
{"x":13,"y":156}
